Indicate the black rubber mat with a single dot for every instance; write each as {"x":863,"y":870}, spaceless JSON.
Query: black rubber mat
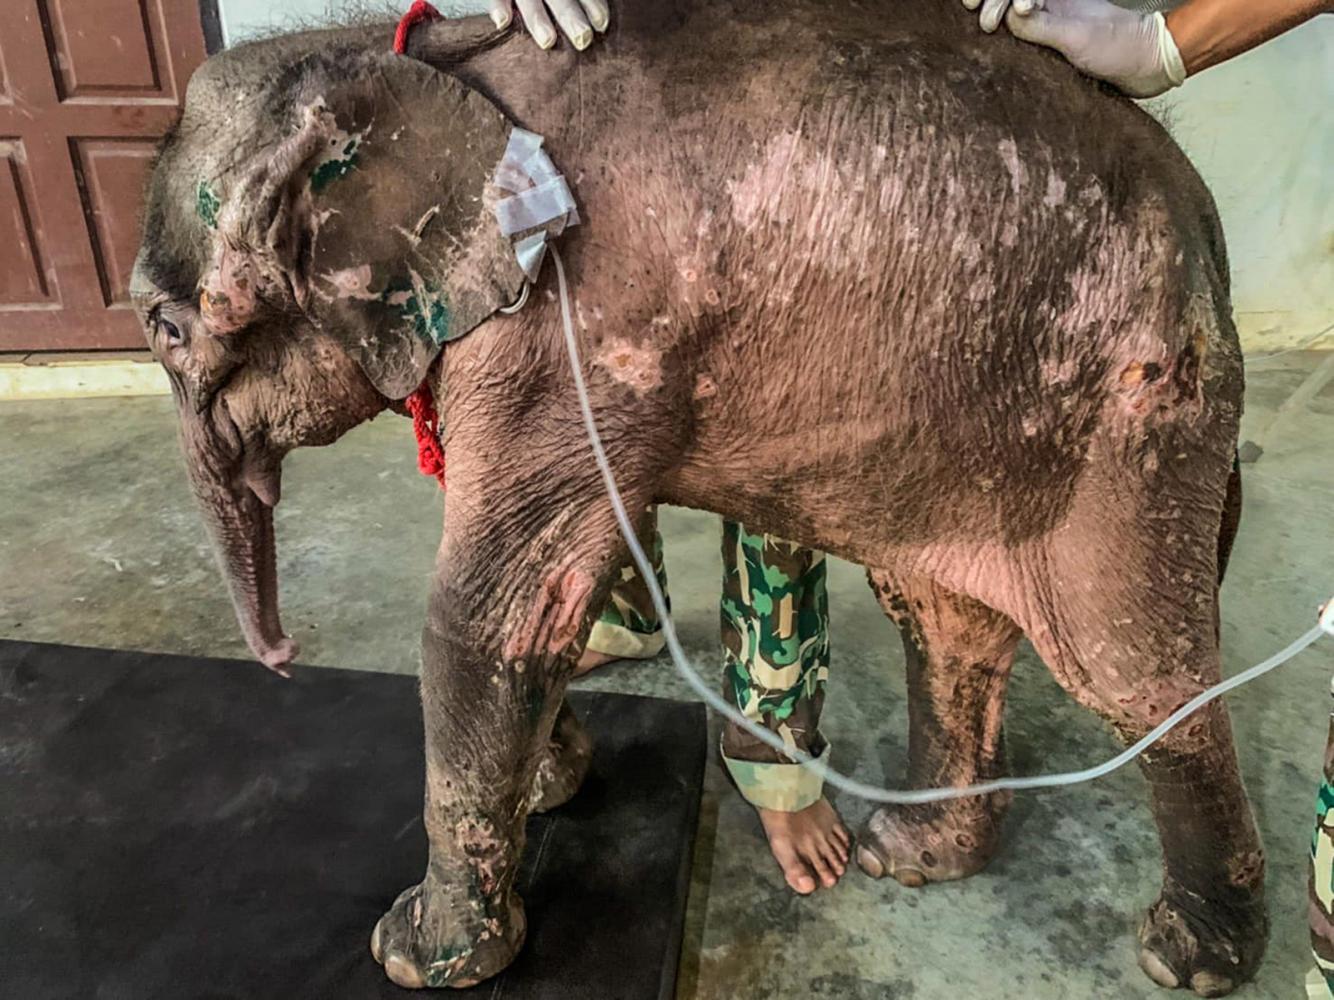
{"x":176,"y":827}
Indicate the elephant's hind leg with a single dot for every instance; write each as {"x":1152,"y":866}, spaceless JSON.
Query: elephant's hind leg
{"x":1127,"y":622}
{"x":959,"y":654}
{"x":564,"y":763}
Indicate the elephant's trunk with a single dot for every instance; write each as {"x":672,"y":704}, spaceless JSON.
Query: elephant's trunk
{"x":238,"y":508}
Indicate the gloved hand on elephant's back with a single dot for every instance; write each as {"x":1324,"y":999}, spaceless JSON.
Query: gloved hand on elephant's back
{"x":992,"y":12}
{"x":578,"y":19}
{"x":1135,"y":52}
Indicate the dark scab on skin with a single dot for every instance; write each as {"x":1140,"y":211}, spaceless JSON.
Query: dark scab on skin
{"x":1137,"y":374}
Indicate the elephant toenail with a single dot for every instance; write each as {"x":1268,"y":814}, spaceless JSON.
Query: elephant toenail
{"x":375,"y":942}
{"x":928,"y":859}
{"x":910,"y":877}
{"x":1158,"y":970}
{"x":869,"y":862}
{"x":1210,"y":984}
{"x":402,"y":972}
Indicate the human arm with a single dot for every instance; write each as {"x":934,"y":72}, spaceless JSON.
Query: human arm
{"x":578,"y":19}
{"x":1147,"y":54}
{"x":1209,"y":32}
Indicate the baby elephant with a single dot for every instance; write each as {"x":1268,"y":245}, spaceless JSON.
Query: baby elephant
{"x":921,"y":298}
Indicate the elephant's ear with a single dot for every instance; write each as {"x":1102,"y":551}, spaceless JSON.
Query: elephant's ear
{"x":404,"y":250}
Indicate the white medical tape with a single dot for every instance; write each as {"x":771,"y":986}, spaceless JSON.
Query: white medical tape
{"x":538,"y":197}
{"x":521,"y":146}
{"x":531,"y":251}
{"x":539,"y":167}
{"x":510,"y":176}
{"x":535,"y":207}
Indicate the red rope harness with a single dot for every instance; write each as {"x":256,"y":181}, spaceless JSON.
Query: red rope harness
{"x":419,"y":11}
{"x":426,"y":426}
{"x":421,"y":403}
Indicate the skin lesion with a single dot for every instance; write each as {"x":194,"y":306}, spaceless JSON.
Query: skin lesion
{"x":485,"y":850}
{"x":552,"y":623}
{"x":638,"y":367}
{"x":1138,"y":373}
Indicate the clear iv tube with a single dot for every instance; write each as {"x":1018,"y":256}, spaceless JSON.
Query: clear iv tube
{"x":850,"y":785}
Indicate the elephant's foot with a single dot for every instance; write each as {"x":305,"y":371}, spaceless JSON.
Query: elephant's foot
{"x":1209,"y":947}
{"x":564,"y":764}
{"x":920,"y":844}
{"x":425,"y":941}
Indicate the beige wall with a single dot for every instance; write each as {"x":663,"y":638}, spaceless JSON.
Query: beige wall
{"x":246,"y":17}
{"x":1260,"y":129}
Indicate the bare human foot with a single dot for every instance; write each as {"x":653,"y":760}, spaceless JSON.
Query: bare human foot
{"x":809,"y":845}
{"x":591,"y":660}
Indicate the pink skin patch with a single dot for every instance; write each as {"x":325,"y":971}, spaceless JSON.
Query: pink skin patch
{"x":484,"y":850}
{"x":277,"y":657}
{"x":1055,"y":195}
{"x":227,"y":300}
{"x":638,"y":367}
{"x":352,"y":283}
{"x":1009,"y":154}
{"x":554,"y":620}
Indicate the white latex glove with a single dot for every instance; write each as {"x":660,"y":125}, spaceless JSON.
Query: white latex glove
{"x":993,"y":11}
{"x":577,"y":18}
{"x":1135,"y":52}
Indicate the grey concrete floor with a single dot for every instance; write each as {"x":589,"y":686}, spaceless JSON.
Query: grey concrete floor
{"x":100,"y":545}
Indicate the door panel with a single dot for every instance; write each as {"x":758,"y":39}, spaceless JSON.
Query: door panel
{"x":22,"y":276}
{"x":87,"y":88}
{"x":111,"y":175}
{"x":100,"y":49}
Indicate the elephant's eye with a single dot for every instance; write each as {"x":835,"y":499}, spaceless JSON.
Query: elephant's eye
{"x":172,"y":331}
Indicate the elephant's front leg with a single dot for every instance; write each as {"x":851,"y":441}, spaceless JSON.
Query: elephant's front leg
{"x":508,"y":612}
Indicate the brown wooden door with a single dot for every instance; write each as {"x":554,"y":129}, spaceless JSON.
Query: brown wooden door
{"x":87,"y":87}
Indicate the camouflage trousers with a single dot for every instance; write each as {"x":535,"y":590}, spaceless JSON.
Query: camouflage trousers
{"x":775,"y":640}
{"x":1320,"y":984}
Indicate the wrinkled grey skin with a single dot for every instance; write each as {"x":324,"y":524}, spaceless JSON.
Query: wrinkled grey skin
{"x":924,"y":299}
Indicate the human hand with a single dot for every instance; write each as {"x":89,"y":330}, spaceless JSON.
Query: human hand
{"x":577,"y":18}
{"x":1134,"y":52}
{"x":993,"y":11}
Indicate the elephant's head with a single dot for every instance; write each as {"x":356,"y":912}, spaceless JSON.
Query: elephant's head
{"x":318,"y":226}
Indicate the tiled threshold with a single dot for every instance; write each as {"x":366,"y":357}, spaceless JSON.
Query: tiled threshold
{"x":63,"y":376}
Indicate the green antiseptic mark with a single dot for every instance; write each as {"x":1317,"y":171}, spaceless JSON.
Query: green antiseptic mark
{"x":330,"y":170}
{"x":423,"y":305}
{"x":1324,"y":802}
{"x":443,"y":969}
{"x":207,"y":204}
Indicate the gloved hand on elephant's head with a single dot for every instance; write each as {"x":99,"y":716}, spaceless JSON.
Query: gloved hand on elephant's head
{"x":1132,"y":51}
{"x":578,"y":19}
